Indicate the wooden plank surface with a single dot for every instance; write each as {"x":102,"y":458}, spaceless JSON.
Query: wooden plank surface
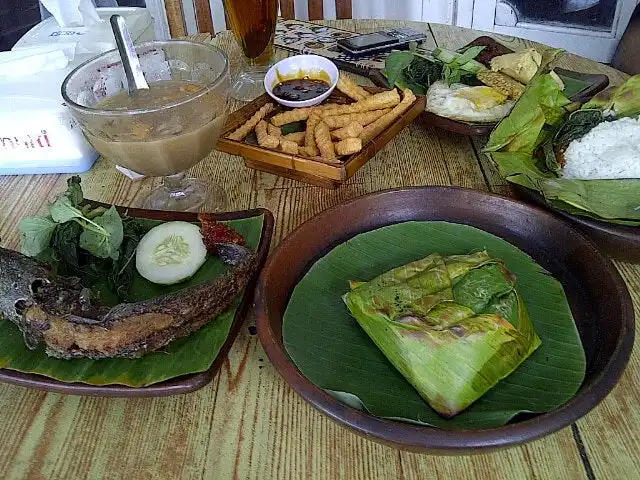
{"x":248,"y":423}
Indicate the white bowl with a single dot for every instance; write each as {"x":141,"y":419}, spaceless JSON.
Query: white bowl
{"x":304,"y":63}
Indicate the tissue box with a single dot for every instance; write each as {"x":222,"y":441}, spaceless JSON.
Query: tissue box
{"x":37,"y":132}
{"x":39,"y":136}
{"x":92,"y":40}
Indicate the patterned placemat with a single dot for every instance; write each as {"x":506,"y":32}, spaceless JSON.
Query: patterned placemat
{"x":309,"y":38}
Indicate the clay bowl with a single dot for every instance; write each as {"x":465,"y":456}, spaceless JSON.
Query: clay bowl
{"x":598,"y":297}
{"x":621,"y":242}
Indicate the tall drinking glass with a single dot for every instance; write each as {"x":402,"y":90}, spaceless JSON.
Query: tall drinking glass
{"x":254,"y":25}
{"x":162,"y":134}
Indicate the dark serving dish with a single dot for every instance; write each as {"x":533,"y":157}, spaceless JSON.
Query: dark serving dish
{"x":494,"y":48}
{"x":598,"y":297}
{"x":621,"y":242}
{"x":178,"y":385}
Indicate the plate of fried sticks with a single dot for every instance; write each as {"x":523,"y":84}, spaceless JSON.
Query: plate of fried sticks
{"x":324,"y":144}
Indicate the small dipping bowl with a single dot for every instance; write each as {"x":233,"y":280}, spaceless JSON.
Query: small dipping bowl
{"x":300,"y":66}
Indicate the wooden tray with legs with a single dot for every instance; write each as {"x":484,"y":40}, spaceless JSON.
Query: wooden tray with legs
{"x":328,"y":174}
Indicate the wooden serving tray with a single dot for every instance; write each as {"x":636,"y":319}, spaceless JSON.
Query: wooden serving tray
{"x":307,"y":170}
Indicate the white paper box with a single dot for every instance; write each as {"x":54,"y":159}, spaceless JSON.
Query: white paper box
{"x":47,"y":141}
{"x":37,"y":131}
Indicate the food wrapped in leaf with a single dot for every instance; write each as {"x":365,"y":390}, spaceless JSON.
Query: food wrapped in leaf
{"x":582,"y":161}
{"x":453,"y":326}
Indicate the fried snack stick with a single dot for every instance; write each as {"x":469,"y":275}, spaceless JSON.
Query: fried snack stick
{"x":386,"y":99}
{"x":296,"y":137}
{"x":323,"y":141}
{"x":310,"y":136}
{"x":351,"y":88}
{"x":244,"y":130}
{"x":264,"y":139}
{"x":374,"y":129}
{"x":290,"y":116}
{"x":353,"y":130}
{"x":273,"y":130}
{"x":364,"y":119}
{"x":289,"y":147}
{"x":308,"y":151}
{"x":299,"y":114}
{"x":348,"y":146}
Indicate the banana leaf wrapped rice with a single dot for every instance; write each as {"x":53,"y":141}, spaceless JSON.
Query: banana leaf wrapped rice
{"x":453,"y":326}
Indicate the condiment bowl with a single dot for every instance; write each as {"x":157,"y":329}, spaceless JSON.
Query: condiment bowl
{"x":300,"y":66}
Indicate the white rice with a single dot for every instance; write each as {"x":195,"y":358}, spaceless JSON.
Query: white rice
{"x":610,"y":150}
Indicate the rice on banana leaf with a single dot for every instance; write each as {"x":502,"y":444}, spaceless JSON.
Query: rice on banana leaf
{"x":453,"y":326}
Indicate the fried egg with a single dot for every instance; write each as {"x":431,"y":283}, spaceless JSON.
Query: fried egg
{"x":480,"y":104}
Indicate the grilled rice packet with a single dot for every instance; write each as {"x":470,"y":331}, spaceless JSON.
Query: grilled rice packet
{"x":453,"y":326}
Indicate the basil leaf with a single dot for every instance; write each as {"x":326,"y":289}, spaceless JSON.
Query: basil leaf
{"x":35,"y":234}
{"x":104,"y":244}
{"x":394,"y":65}
{"x":469,"y":54}
{"x":65,"y":241}
{"x":74,"y":191}
{"x":63,"y":210}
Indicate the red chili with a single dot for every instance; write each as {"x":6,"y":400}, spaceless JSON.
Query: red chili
{"x":214,"y":232}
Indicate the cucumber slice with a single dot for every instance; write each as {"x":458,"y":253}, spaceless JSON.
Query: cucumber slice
{"x":170,"y":253}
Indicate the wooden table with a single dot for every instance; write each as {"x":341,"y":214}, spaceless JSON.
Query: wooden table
{"x":248,"y":423}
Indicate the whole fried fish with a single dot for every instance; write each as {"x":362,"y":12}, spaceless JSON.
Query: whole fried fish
{"x":58,"y":311}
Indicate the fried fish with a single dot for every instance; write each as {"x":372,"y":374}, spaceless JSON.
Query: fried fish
{"x":58,"y":311}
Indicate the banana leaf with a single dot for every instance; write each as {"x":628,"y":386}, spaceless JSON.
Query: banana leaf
{"x":621,"y":101}
{"x":536,"y":123}
{"x":191,"y":354}
{"x":335,"y":353}
{"x":453,"y":326}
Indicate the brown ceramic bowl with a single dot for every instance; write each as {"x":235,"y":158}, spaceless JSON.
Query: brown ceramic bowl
{"x":598,"y":297}
{"x":621,"y":242}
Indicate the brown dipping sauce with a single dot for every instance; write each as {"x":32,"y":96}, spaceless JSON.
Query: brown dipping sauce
{"x":299,"y":89}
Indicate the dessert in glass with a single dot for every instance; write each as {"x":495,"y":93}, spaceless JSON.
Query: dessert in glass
{"x":253,"y":23}
{"x":162,"y":131}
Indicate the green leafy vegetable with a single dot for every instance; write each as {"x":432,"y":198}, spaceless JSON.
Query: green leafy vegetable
{"x":35,"y":234}
{"x":524,"y":144}
{"x":105,"y":241}
{"x":65,"y":243}
{"x":396,"y":63}
{"x":79,"y":239}
{"x":459,"y":67}
{"x":64,"y":210}
{"x":123,"y":268}
{"x":74,"y":191}
{"x":577,"y":125}
{"x":417,"y":70}
{"x":620,"y":101}
{"x":420,"y":73}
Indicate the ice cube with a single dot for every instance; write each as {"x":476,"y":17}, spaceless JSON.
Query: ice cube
{"x":111,"y":80}
{"x":155,"y":66}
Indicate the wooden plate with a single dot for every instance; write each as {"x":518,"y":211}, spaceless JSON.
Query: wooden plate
{"x":598,"y":297}
{"x":621,"y":242}
{"x":307,"y":170}
{"x":178,"y":385}
{"x":494,"y":48}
